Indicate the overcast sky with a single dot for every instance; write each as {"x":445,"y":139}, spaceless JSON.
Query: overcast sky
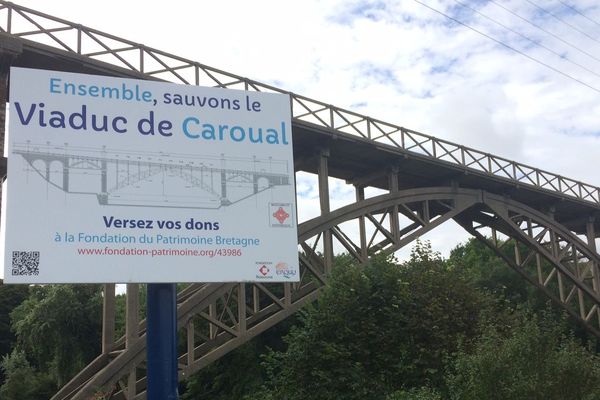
{"x":401,"y":62}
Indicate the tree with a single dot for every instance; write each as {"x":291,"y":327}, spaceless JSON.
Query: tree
{"x":375,"y":330}
{"x":533,"y":360}
{"x":231,"y":377}
{"x":23,"y":382}
{"x":58,"y":327}
{"x":10,"y":297}
{"x":481,"y":265}
{"x":488,"y":271}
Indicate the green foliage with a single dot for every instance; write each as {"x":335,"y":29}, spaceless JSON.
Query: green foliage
{"x":59,"y":328}
{"x":229,"y":378}
{"x":121,"y":309}
{"x":10,"y":297}
{"x":488,"y":271}
{"x":374,"y":330}
{"x":423,"y":393}
{"x":22,"y":381}
{"x":533,"y":360}
{"x":443,"y":310}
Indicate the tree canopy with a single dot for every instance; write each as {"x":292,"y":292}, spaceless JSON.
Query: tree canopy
{"x":375,"y":330}
{"x":533,"y":360}
{"x":58,"y":329}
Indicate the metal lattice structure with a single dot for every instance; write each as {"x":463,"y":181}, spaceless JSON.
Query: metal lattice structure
{"x":546,"y":220}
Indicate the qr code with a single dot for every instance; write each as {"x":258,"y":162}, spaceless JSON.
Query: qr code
{"x":26,"y":263}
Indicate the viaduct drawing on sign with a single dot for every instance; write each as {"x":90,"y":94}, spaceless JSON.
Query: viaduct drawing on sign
{"x":120,"y":177}
{"x":427,"y":181}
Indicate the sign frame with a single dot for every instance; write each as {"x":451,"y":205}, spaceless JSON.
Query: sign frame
{"x":107,"y":184}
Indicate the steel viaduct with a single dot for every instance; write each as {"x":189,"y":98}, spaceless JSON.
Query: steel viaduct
{"x":427,"y":181}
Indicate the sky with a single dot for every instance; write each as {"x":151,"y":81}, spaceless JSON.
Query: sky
{"x":523,"y":82}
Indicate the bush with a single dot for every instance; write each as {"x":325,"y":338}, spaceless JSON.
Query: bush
{"x":534,"y":360}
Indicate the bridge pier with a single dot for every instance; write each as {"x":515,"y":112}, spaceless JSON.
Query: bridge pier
{"x":108,"y":318}
{"x":323,"y":175}
{"x":360,"y":196}
{"x":393,"y":188}
{"x":591,"y":242}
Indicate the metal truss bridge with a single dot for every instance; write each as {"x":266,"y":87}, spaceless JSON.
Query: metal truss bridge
{"x":549,"y":220}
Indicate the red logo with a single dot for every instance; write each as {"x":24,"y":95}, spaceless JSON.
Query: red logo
{"x":281,"y":215}
{"x":263,"y":270}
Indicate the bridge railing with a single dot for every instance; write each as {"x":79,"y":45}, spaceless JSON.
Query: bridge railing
{"x":33,"y":25}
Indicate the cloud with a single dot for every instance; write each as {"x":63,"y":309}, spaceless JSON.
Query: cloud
{"x":356,"y":10}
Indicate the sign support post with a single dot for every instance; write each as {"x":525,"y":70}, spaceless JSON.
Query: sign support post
{"x":161,"y":341}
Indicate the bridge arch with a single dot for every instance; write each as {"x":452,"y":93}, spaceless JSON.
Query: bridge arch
{"x":217,"y":318}
{"x":546,"y":253}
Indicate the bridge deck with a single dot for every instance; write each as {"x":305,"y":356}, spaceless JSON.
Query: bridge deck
{"x":361,"y":161}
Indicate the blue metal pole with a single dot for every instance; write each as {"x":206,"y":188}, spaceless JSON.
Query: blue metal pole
{"x":161,"y":341}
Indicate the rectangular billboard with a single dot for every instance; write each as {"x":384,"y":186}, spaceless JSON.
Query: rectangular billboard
{"x":121,"y":180}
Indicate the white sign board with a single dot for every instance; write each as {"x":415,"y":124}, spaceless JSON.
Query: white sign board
{"x":120,"y":180}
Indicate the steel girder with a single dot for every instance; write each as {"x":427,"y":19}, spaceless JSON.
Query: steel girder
{"x":216,"y":318}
